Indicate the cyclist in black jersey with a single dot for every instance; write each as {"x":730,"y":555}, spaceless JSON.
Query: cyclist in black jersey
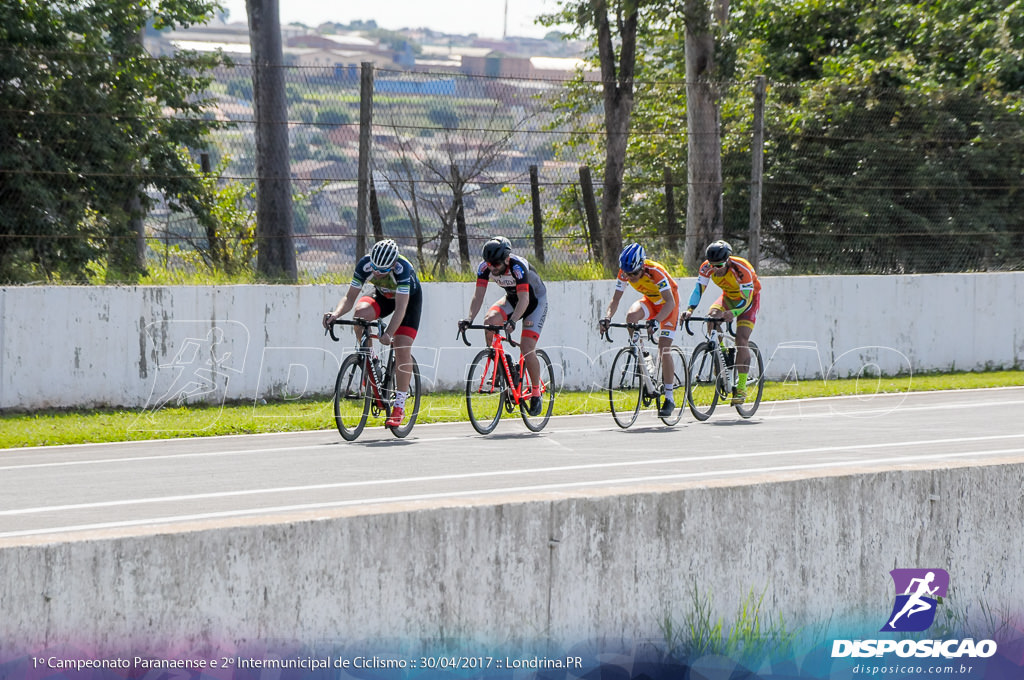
{"x":396,"y":292}
{"x":525,"y":300}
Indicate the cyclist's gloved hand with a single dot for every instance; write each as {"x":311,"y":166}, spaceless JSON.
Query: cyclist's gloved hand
{"x":604,"y":323}
{"x":652,"y":326}
{"x":464,"y":324}
{"x":510,"y":326}
{"x":328,"y":318}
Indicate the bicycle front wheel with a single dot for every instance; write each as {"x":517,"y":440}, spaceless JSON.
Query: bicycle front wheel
{"x":625,"y":387}
{"x":702,"y":388}
{"x":679,"y":382}
{"x":547,"y":394}
{"x":412,"y":403}
{"x":485,"y":391}
{"x":755,"y":383}
{"x":351,"y":397}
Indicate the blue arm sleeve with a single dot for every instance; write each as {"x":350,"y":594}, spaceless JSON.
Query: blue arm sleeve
{"x":698,"y":290}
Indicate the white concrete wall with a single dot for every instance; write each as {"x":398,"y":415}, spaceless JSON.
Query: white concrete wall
{"x":140,"y":346}
{"x":569,"y":569}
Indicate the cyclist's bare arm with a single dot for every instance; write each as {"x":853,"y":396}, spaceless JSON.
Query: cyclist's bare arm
{"x":614,"y":304}
{"x":401,"y":304}
{"x":521,"y":304}
{"x":477,"y":302}
{"x":344,"y":305}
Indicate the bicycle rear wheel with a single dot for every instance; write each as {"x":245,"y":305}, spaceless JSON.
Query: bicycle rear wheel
{"x":702,"y":388}
{"x":679,"y":380}
{"x":412,"y":403}
{"x":485,"y":391}
{"x":351,"y":397}
{"x":625,"y":387}
{"x":755,"y":383}
{"x":547,"y":393}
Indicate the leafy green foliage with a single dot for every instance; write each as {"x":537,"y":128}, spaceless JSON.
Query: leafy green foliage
{"x":894,"y":134}
{"x":89,"y":123}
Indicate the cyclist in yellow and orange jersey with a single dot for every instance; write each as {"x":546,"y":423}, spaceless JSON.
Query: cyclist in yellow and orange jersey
{"x":659,"y":305}
{"x":740,"y":300}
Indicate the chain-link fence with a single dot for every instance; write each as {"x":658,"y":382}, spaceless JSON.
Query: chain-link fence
{"x":855,"y":180}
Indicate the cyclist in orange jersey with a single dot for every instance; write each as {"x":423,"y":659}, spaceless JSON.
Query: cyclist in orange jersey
{"x":740,"y":300}
{"x":659,"y":305}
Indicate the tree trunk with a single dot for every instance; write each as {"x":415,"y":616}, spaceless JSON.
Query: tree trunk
{"x":538,"y":218}
{"x":274,"y":230}
{"x":458,"y":194}
{"x":704,"y":211}
{"x":365,"y":149}
{"x":593,"y":222}
{"x":618,"y":108}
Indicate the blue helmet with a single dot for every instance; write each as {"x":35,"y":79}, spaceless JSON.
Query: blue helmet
{"x":632,"y":258}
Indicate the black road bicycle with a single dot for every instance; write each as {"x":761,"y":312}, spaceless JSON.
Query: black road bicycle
{"x":365,"y":386}
{"x":712,"y":374}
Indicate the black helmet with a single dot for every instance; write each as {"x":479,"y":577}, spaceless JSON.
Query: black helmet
{"x":496,"y":250}
{"x":719,"y":251}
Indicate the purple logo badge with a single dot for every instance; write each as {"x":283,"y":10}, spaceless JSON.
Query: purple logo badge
{"x":917,"y":593}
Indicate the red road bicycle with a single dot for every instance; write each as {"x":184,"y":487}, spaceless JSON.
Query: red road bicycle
{"x":494,"y":383}
{"x":365,"y":386}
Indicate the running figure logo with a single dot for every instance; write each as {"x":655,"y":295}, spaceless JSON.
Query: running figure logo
{"x":918,"y":591}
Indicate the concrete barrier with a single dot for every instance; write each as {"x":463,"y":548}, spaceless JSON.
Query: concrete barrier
{"x":564,"y":569}
{"x":149,"y":346}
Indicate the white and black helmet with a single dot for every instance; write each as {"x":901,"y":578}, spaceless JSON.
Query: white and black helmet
{"x":383,"y":254}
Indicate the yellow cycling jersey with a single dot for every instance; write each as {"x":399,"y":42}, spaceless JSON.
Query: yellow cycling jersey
{"x":739,"y":284}
{"x":651,"y":283}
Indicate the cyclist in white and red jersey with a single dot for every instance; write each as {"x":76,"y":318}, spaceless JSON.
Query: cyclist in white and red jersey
{"x":740,"y":299}
{"x":525,"y":299}
{"x":659,"y":306}
{"x":396,"y":292}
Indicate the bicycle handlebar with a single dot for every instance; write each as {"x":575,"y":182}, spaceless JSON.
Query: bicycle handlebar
{"x":484,"y":327}
{"x":631,"y":326}
{"x":353,"y":322}
{"x":728,"y":326}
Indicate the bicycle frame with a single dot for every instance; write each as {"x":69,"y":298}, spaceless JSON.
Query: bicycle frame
{"x":500,"y":361}
{"x":376,"y":375}
{"x":626,"y":394}
{"x":651,"y":374}
{"x":714,"y":360}
{"x":724,"y":345}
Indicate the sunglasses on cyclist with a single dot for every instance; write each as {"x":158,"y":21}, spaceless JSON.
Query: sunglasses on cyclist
{"x":379,"y":270}
{"x":716,"y":265}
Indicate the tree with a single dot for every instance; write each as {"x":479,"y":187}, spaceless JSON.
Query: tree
{"x":896,"y":136}
{"x":616,"y":54}
{"x":88,"y":122}
{"x":704,"y":210}
{"x":442,"y":172}
{"x":274,"y":228}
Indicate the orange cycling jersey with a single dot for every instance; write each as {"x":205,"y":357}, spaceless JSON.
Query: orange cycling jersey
{"x":739,"y":284}
{"x":654,"y":280}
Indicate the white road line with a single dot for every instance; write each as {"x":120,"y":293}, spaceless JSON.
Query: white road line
{"x":521,"y":471}
{"x":257,"y":451}
{"x":478,"y":492}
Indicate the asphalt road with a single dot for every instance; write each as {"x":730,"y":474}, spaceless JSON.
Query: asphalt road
{"x":74,"y":492}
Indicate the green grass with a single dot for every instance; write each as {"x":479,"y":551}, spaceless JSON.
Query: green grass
{"x":48,"y":428}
